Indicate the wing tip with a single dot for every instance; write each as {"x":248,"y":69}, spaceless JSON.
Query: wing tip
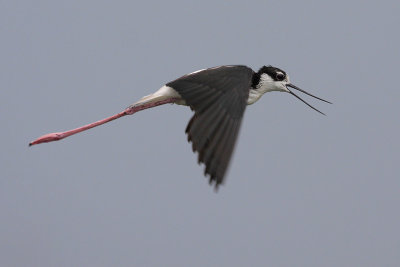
{"x":214,"y":180}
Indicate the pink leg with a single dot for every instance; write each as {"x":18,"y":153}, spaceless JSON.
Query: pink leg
{"x":128,"y":111}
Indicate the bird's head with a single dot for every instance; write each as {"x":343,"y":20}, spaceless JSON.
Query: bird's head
{"x":269,"y":79}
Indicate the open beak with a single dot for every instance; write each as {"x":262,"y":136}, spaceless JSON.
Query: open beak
{"x":301,"y":90}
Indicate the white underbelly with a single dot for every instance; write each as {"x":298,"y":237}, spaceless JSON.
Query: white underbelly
{"x":163,"y":93}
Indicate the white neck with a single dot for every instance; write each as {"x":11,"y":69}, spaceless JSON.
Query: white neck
{"x":254,"y":95}
{"x":266,"y":84}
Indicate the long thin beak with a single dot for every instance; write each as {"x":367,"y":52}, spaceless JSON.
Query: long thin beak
{"x":301,"y":90}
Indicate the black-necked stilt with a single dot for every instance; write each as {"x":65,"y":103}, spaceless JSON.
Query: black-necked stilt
{"x":218,"y":96}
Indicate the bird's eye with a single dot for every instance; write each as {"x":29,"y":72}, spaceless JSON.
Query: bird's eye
{"x":280,"y":76}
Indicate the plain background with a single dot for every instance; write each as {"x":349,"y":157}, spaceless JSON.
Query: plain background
{"x":303,"y":189}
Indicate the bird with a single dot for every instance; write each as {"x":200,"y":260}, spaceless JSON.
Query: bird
{"x":218,"y":96}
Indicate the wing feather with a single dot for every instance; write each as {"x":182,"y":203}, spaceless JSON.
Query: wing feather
{"x":218,"y":97}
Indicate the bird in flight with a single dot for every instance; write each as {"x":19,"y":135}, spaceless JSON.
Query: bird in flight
{"x":218,"y":96}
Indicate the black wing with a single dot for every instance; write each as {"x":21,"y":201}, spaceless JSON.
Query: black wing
{"x":218,"y":97}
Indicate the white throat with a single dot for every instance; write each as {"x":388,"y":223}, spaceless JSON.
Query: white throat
{"x":266,"y":84}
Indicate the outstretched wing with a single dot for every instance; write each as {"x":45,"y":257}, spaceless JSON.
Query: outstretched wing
{"x":218,"y":97}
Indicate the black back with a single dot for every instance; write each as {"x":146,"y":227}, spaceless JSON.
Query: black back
{"x":218,"y":97}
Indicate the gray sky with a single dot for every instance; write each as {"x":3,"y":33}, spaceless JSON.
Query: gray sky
{"x":303,"y":189}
